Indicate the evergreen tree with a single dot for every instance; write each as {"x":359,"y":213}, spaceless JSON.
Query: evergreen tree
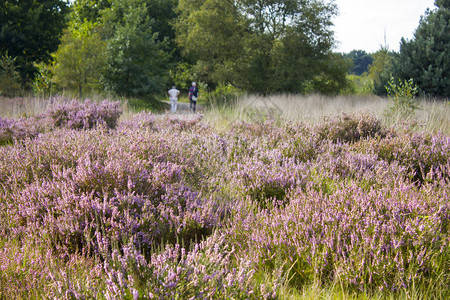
{"x":426,"y":58}
{"x":137,"y":64}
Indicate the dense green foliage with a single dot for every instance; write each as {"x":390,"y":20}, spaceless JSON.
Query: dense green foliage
{"x":381,"y":69}
{"x":361,"y":60}
{"x":261,"y":46}
{"x":80,"y":58}
{"x":138,"y":48}
{"x":136,"y":63}
{"x":30,"y":31}
{"x":112,"y":45}
{"x":9,"y":76}
{"x":426,"y":58}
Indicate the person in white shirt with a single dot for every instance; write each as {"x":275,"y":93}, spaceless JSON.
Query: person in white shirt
{"x":173,"y":96}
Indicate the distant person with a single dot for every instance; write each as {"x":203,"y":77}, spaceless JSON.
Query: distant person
{"x":193,"y":95}
{"x":173,"y":96}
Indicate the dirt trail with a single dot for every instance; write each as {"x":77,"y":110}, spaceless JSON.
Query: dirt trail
{"x":183,"y":108}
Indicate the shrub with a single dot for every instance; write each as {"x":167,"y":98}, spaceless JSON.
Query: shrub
{"x":381,"y":240}
{"x":85,"y":115}
{"x":9,"y":77}
{"x":403,"y":97}
{"x":350,"y":128}
{"x":422,"y":154}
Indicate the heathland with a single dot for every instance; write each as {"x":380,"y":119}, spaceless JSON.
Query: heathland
{"x":280,"y":197}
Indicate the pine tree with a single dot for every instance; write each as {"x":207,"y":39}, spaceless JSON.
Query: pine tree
{"x":426,"y":58}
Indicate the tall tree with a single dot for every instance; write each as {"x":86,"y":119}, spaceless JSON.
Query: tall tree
{"x":80,"y":59}
{"x":426,"y":58}
{"x":261,"y":45}
{"x":30,"y":31}
{"x":380,"y":70}
{"x":89,"y":10}
{"x":137,"y":64}
{"x":361,"y":61}
{"x":210,"y":34}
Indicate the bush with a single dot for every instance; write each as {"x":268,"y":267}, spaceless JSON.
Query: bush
{"x":403,"y":97}
{"x":74,"y":115}
{"x":85,"y":115}
{"x":350,"y":128}
{"x":9,"y":77}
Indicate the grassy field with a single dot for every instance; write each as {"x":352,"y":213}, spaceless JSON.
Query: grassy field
{"x":287,"y":197}
{"x":433,"y":115}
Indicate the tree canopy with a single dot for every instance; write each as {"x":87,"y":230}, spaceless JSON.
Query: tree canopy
{"x":361,"y":61}
{"x":80,"y":59}
{"x":426,"y":58}
{"x":262,"y":46}
{"x":30,"y":31}
{"x":137,"y":63}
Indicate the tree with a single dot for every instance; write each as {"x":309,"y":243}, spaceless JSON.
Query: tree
{"x":263,"y":46}
{"x":9,"y":76}
{"x":30,"y":31}
{"x":89,"y":10}
{"x":210,"y":34}
{"x":380,"y":70}
{"x":361,"y":61}
{"x":426,"y":58}
{"x":80,"y":59}
{"x":137,"y":64}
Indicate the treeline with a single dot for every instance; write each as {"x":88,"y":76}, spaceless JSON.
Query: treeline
{"x":423,"y":60}
{"x":137,"y":48}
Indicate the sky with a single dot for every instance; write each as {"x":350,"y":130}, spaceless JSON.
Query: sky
{"x":369,"y":24}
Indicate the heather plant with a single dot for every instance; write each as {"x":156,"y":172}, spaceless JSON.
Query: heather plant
{"x":164,"y":206}
{"x":350,"y":128}
{"x":86,"y":115}
{"x":421,"y":153}
{"x":386,"y":239}
{"x":73,"y":115}
{"x":78,"y":187}
{"x":19,"y":129}
{"x":207,"y":271}
{"x":267,"y":178}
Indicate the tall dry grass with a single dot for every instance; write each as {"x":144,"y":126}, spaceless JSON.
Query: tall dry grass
{"x":13,"y":108}
{"x":433,"y":116}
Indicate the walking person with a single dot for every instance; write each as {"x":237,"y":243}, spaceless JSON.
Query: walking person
{"x":193,"y":95}
{"x":173,"y":96}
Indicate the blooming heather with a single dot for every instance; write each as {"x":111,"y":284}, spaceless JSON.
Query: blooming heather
{"x":166,"y":207}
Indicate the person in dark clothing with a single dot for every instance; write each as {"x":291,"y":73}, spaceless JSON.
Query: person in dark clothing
{"x":193,"y":95}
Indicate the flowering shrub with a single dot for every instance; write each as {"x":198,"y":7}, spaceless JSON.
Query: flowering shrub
{"x":78,"y":188}
{"x":422,"y":154}
{"x":73,"y":115}
{"x":11,"y":130}
{"x":206,"y":272}
{"x":351,"y":128}
{"x":166,"y":207}
{"x":85,"y":115}
{"x":383,"y":239}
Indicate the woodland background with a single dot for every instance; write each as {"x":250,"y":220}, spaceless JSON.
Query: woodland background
{"x":140,"y":48}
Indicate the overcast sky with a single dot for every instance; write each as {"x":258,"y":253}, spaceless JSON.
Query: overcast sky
{"x":363,"y":24}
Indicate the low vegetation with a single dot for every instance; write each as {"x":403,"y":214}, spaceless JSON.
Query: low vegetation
{"x":97,"y":205}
